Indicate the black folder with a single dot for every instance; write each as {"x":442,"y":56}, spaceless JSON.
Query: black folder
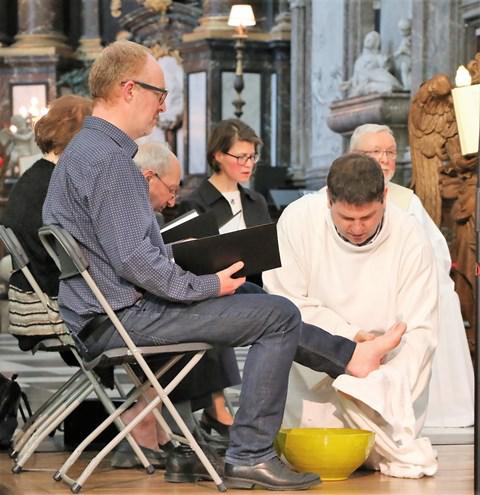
{"x":256,"y":246}
{"x":203,"y":225}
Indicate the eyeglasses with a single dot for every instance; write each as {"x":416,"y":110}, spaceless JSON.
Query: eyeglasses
{"x":243,"y":159}
{"x":160,"y":92}
{"x":377,"y":154}
{"x":171,"y":189}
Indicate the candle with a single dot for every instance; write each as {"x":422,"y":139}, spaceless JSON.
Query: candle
{"x":466,"y":101}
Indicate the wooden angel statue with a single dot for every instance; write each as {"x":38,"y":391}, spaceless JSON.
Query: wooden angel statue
{"x":445,"y":182}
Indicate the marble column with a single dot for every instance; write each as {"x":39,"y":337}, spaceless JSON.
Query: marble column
{"x":40,"y":24}
{"x":215,"y":17}
{"x":4,"y":19}
{"x":359,"y":20}
{"x":283,"y":21}
{"x":90,"y":42}
{"x":300,"y":128}
{"x":437,"y":39}
{"x":280,"y":88}
{"x":327,"y":71}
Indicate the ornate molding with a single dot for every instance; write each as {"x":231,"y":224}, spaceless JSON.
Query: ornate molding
{"x":158,"y":5}
{"x":116,"y":8}
{"x":160,"y":50}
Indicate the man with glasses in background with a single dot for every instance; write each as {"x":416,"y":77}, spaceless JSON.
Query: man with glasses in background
{"x":452,"y":367}
{"x":161,"y":169}
{"x":99,"y":196}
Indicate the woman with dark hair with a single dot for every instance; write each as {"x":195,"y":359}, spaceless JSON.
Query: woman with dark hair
{"x":232,"y":153}
{"x":28,"y":320}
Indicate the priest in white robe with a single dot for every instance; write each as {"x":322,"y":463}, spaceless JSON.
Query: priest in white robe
{"x":451,"y":391}
{"x":355,"y":264}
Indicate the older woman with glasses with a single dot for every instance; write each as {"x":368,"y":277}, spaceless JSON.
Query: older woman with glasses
{"x":232,"y":153}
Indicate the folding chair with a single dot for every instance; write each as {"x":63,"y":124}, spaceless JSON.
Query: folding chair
{"x":52,"y":412}
{"x":66,"y":253}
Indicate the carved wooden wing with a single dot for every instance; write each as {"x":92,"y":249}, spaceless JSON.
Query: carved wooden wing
{"x":431,"y":123}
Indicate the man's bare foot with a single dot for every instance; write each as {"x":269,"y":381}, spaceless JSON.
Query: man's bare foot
{"x":368,"y":355}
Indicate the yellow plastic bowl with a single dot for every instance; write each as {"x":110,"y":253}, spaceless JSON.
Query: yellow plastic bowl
{"x":332,"y":453}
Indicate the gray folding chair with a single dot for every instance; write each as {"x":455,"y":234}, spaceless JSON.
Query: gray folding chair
{"x":53,"y":411}
{"x":66,"y":253}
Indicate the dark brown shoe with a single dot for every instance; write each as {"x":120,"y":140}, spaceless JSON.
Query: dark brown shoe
{"x":273,"y":475}
{"x":183,"y":466}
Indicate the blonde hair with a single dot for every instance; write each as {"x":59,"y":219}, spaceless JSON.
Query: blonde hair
{"x":122,"y":60}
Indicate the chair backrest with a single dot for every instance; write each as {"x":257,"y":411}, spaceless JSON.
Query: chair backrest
{"x":20,"y":261}
{"x":14,"y":248}
{"x":70,"y":260}
{"x":64,"y":250}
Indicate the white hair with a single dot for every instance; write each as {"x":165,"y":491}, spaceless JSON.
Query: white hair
{"x":363,"y":129}
{"x":154,"y":156}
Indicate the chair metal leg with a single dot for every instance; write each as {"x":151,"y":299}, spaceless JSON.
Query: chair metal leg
{"x":52,"y":422}
{"x":44,"y":411}
{"x":114,"y":417}
{"x":124,"y":433}
{"x":163,"y":395}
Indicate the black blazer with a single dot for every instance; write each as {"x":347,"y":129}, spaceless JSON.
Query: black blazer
{"x":207,"y":197}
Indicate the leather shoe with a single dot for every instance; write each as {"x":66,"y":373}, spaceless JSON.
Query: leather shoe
{"x":209,"y":423}
{"x":273,"y":475}
{"x":183,"y":466}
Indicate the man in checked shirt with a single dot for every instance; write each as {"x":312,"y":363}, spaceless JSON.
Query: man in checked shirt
{"x":99,"y":196}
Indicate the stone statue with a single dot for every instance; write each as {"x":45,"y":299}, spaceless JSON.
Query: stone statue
{"x":371,"y":71}
{"x":445,"y":181}
{"x":19,"y":142}
{"x":403,"y":54}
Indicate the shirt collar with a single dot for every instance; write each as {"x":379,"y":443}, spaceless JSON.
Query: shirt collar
{"x":112,"y":131}
{"x":369,"y":240}
{"x":211,"y":194}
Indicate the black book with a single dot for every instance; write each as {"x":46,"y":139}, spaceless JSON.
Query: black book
{"x":190,"y":225}
{"x":256,"y":246}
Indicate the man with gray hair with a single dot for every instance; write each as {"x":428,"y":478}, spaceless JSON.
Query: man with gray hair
{"x":452,"y":367}
{"x":161,"y":170}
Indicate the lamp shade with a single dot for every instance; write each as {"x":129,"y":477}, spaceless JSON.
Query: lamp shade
{"x":466,"y":101}
{"x":241,"y":15}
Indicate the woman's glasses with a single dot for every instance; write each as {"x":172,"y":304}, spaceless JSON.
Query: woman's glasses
{"x":243,"y":159}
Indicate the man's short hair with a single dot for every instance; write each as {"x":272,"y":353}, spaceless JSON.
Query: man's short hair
{"x":366,"y":129}
{"x":225,"y":134}
{"x":64,"y":119}
{"x":355,"y":179}
{"x":120,"y":61}
{"x":154,"y":156}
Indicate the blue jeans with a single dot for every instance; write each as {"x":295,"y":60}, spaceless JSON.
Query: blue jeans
{"x":271,"y":325}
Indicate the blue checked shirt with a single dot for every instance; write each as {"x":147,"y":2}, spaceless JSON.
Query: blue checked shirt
{"x":98,"y":195}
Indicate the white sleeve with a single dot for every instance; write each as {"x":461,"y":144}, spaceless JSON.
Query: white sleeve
{"x":433,"y":233}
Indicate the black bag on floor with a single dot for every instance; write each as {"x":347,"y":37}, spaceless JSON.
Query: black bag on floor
{"x":10,"y":396}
